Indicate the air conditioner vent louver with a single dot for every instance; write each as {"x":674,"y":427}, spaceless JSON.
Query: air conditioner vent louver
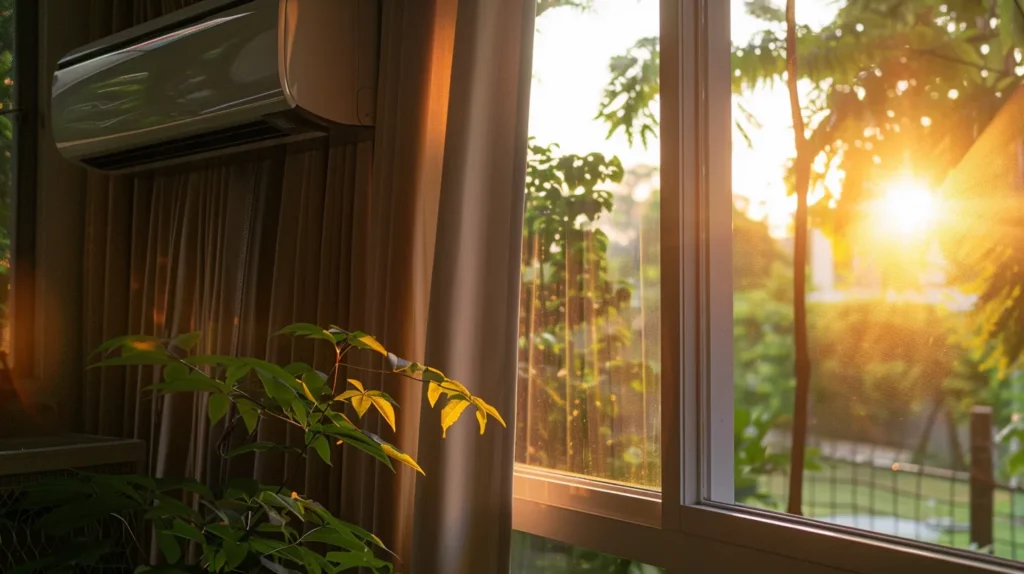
{"x":253,"y":132}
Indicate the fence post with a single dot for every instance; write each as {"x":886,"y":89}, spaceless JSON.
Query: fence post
{"x":982,"y":482}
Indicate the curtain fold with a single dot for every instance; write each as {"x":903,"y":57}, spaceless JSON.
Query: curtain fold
{"x":464,"y":517}
{"x":340,"y":232}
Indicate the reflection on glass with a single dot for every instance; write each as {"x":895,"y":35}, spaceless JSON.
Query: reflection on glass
{"x":589,"y":376}
{"x":913,"y":169}
{"x":7,"y":150}
{"x":533,"y":555}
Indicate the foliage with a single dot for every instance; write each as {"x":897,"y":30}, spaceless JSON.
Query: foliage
{"x":6,"y":150}
{"x":575,"y":323}
{"x":631,"y":97}
{"x":535,"y":554}
{"x":241,"y":525}
{"x":581,"y":5}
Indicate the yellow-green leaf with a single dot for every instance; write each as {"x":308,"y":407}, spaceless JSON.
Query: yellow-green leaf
{"x":451,"y":413}
{"x":356,"y":384}
{"x":372,"y":343}
{"x":361,"y":403}
{"x":401,"y":457}
{"x":433,"y":393}
{"x":309,"y":395}
{"x":386,"y":410}
{"x":433,"y":375}
{"x":491,"y":411}
{"x":347,"y":395}
{"x":456,"y":386}
{"x":481,"y":417}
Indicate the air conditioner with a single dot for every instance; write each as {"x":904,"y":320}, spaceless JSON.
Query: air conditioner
{"x":217,"y":77}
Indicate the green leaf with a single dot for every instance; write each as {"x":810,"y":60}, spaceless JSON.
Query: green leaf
{"x":307,"y":330}
{"x":234,"y":553}
{"x":158,"y":357}
{"x":217,"y":407}
{"x":276,"y":389}
{"x":176,"y":372}
{"x":342,"y":538}
{"x":236,"y":372}
{"x":127,"y":340}
{"x":322,"y":448}
{"x":315,"y":382}
{"x":250,"y":414}
{"x":194,"y":383}
{"x":185,"y":530}
{"x":169,"y":546}
{"x":297,"y":369}
{"x":275,"y":567}
{"x":348,"y":560}
{"x":186,"y":341}
{"x":300,"y":412}
{"x":261,"y":446}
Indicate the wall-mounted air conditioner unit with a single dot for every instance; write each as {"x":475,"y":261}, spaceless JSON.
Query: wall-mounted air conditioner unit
{"x":217,"y":77}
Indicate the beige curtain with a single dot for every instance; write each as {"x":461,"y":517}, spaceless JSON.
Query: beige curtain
{"x":341,"y":232}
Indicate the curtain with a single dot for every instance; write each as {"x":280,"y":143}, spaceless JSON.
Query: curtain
{"x":341,"y":232}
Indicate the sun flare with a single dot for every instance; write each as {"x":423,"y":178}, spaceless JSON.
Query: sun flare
{"x":907,"y":207}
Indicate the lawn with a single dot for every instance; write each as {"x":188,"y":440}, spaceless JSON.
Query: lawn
{"x":867,"y":496}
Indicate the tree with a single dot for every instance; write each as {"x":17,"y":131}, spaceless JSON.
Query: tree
{"x":889,"y":81}
{"x":545,"y":5}
{"x":802,"y":359}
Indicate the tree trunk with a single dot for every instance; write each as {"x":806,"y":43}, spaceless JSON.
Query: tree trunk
{"x":802,"y":367}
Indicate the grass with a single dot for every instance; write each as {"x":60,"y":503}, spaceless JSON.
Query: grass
{"x":866,"y":492}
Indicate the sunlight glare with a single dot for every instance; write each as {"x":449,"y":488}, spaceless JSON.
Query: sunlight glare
{"x":907,"y":207}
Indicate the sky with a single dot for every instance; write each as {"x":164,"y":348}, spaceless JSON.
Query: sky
{"x":571,"y":55}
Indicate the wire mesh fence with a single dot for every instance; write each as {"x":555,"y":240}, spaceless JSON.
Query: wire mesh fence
{"x":877,"y":489}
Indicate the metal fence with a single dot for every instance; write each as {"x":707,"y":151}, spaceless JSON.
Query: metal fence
{"x":876,"y":489}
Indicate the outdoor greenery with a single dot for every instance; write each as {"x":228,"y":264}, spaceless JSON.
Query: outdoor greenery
{"x":6,"y":151}
{"x":887,"y":88}
{"x":241,"y":525}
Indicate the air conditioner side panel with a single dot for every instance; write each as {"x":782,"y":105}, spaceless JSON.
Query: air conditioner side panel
{"x":330,"y":51}
{"x":205,"y":75}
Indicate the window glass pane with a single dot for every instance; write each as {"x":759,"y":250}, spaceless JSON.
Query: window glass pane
{"x":533,"y":555}
{"x":7,"y":149}
{"x":912,"y":163}
{"x":589,"y":360}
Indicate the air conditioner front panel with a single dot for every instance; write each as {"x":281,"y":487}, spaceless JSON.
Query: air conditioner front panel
{"x":214,"y":72}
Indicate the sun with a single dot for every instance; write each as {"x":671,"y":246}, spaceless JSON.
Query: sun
{"x":907,"y":207}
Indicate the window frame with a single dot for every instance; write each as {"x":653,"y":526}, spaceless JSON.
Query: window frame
{"x":695,"y":534}
{"x":24,"y":187}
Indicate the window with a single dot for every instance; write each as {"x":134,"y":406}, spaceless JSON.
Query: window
{"x":534,"y":554}
{"x":914,"y":321}
{"x":589,"y":360}
{"x":17,"y":172}
{"x":911,"y":441}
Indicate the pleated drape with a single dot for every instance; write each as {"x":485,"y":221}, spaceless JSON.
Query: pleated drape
{"x":339,"y":232}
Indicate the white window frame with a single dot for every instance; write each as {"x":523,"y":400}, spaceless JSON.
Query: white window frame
{"x":680,"y":529}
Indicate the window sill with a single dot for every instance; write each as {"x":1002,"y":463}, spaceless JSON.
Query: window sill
{"x":830,"y":547}
{"x":626,"y":522}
